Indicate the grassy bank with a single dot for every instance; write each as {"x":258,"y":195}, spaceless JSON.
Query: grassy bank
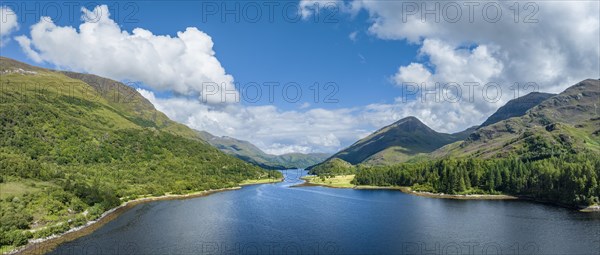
{"x":339,"y":181}
{"x":47,"y":244}
{"x":344,"y":181}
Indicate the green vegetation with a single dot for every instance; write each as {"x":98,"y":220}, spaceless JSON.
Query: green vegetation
{"x":399,"y":142}
{"x":333,"y":167}
{"x":548,"y":151}
{"x":339,"y":181}
{"x":69,"y":152}
{"x":567,"y":179}
{"x":565,"y":123}
{"x":250,"y":153}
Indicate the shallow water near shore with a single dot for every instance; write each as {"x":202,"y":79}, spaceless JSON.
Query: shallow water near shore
{"x":277,"y":219}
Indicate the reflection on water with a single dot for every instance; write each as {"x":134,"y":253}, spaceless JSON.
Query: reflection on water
{"x":279,"y":219}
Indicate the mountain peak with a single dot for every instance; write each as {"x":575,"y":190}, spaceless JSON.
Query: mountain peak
{"x":410,"y":119}
{"x":408,"y":124}
{"x":407,"y":136}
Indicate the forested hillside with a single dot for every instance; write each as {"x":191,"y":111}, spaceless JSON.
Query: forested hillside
{"x":570,"y":179}
{"x":70,"y":151}
{"x":550,"y":153}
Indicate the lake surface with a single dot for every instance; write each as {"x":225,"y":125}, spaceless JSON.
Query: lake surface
{"x":279,"y":219}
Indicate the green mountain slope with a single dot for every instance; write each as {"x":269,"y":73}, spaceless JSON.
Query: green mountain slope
{"x":136,"y":108}
{"x":410,"y":140}
{"x":399,"y":142}
{"x":566,"y":123}
{"x":250,"y":153}
{"x":551,"y":154}
{"x":69,"y":151}
{"x":516,"y":107}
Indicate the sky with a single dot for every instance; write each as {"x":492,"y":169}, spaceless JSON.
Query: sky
{"x":314,"y":76}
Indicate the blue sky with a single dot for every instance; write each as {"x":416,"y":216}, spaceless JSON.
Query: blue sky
{"x":370,"y":50}
{"x":301,"y":51}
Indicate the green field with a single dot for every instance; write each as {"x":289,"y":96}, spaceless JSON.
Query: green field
{"x":339,"y":181}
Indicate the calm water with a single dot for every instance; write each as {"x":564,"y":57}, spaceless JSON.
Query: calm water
{"x":277,"y":219}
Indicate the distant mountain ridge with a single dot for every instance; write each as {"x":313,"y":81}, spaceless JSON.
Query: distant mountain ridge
{"x":250,"y":153}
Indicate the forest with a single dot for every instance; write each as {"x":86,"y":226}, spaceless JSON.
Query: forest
{"x":65,"y":160}
{"x":569,"y":179}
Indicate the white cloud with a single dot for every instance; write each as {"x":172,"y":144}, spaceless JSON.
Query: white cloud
{"x":414,"y":72}
{"x":8,"y":24}
{"x":278,"y":149}
{"x":315,"y":130}
{"x":455,"y":103}
{"x":559,"y":48}
{"x":185,"y":64}
{"x":271,"y":129}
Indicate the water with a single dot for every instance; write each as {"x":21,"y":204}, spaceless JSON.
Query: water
{"x":279,"y":219}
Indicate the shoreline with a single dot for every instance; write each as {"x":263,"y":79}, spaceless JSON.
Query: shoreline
{"x":47,"y":244}
{"x":265,"y":181}
{"x":408,"y":190}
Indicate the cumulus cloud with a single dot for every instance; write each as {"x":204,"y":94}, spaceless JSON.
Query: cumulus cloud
{"x":311,"y":130}
{"x":457,"y":88}
{"x":8,"y":24}
{"x":557,"y":51}
{"x":272,"y":130}
{"x":185,"y":64}
{"x":555,"y":47}
{"x":552,"y":44}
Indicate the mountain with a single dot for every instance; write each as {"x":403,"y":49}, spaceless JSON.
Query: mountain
{"x":551,"y":153}
{"x":399,"y":142}
{"x":250,"y":153}
{"x":516,"y":107}
{"x":410,"y":139}
{"x":565,"y":123}
{"x":147,"y":116}
{"x":75,"y":145}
